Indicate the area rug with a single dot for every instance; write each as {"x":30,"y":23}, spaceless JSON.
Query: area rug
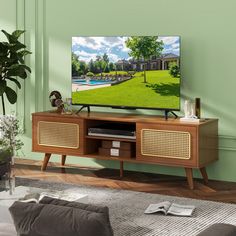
{"x":127,"y":207}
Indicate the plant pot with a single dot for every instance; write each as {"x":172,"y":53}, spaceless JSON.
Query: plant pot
{"x":5,"y":159}
{"x":4,"y":168}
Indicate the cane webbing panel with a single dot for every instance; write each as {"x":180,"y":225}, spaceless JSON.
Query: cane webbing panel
{"x":56,"y":134}
{"x":165,"y":143}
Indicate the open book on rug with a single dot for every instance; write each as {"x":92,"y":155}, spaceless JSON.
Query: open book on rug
{"x":170,"y":208}
{"x":63,"y":195}
{"x":31,"y":197}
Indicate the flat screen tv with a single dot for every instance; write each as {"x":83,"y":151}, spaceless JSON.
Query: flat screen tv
{"x":126,"y":72}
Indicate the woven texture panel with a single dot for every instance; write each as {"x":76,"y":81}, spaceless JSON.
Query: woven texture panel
{"x":166,"y":144}
{"x":57,"y":134}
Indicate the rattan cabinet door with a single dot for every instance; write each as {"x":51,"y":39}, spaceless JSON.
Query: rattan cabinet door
{"x":167,"y":144}
{"x":57,"y":135}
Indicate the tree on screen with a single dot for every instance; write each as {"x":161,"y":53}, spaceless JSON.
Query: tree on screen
{"x":143,"y":47}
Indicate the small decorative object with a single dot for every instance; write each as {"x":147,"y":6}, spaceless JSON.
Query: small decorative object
{"x":198,"y":108}
{"x":55,"y":99}
{"x":67,"y":106}
{"x":192,"y":111}
{"x":187,"y":109}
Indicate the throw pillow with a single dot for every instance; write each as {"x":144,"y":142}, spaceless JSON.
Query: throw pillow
{"x":50,"y":219}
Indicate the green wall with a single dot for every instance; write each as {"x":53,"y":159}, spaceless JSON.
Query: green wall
{"x":208,"y":35}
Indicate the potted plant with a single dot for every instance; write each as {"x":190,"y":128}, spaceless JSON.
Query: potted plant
{"x":12,"y":65}
{"x":9,"y":141}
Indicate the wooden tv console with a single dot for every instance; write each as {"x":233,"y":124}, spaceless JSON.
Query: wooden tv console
{"x":158,"y":141}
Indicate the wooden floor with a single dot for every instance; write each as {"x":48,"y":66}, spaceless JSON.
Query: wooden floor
{"x":151,"y":183}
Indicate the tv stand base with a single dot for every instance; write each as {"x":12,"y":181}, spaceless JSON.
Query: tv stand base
{"x":121,"y":169}
{"x":189,"y":175}
{"x":45,"y":161}
{"x":63,"y":160}
{"x":166,"y":114}
{"x":88,"y":107}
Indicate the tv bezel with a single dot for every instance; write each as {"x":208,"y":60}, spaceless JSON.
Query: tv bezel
{"x":133,"y":107}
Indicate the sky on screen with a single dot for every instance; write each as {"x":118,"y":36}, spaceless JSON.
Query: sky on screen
{"x":88,"y":48}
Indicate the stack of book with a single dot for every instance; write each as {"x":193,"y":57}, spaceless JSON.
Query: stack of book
{"x":117,"y":149}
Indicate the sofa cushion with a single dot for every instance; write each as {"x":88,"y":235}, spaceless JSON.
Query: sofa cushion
{"x":219,"y":229}
{"x":88,"y":207}
{"x":104,"y":210}
{"x":51,"y":219}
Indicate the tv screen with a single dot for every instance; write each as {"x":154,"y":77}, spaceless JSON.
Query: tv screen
{"x":126,"y":72}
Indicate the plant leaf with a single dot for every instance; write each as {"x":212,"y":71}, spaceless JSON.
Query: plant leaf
{"x":15,"y":81}
{"x":24,"y":53}
{"x":3,"y":49}
{"x":11,"y":38}
{"x":7,"y":59}
{"x":18,"y":70}
{"x":18,"y":33}
{"x":3,"y":85}
{"x":15,"y":59}
{"x":20,"y":59}
{"x":11,"y":95}
{"x":26,"y":68}
{"x":16,"y":46}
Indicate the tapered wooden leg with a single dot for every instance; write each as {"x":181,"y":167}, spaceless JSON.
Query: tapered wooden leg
{"x":121,"y":169}
{"x":63,"y":160}
{"x":45,"y":161}
{"x":189,"y":174}
{"x":204,"y":174}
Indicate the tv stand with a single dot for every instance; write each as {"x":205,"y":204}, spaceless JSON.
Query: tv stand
{"x":88,"y":107}
{"x":157,"y":141}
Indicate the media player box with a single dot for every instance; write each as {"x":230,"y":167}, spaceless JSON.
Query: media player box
{"x":116,"y":144}
{"x":115,"y":152}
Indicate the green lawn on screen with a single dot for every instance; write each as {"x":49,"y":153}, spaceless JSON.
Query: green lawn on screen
{"x":160,"y":91}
